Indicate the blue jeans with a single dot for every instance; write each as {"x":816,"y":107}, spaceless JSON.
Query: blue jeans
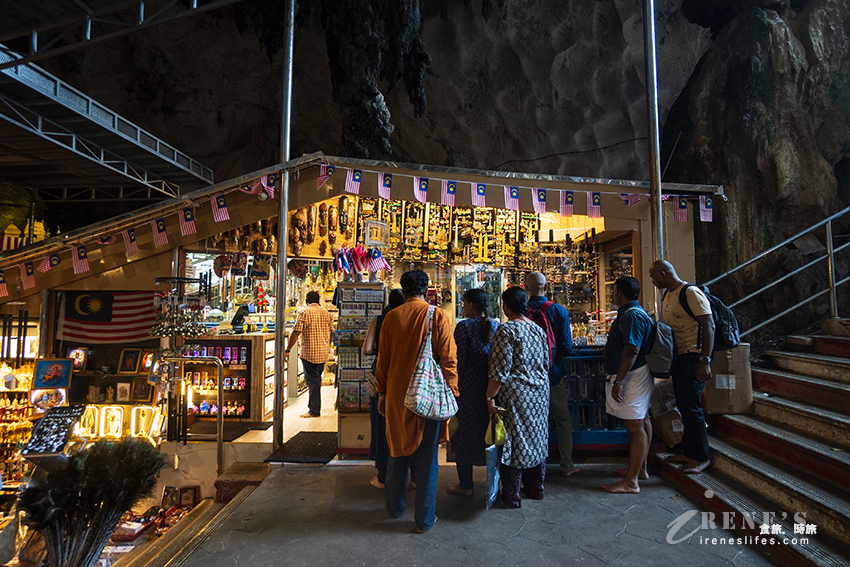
{"x":423,"y":463}
{"x":688,"y":392}
{"x":313,"y":378}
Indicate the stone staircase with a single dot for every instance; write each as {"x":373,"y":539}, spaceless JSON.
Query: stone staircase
{"x":791,"y":456}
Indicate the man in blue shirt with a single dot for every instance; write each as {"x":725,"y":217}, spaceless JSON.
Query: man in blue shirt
{"x":559,"y":399}
{"x":630,"y":383}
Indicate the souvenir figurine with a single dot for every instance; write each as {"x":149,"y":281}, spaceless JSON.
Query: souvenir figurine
{"x":333,"y":220}
{"x":323,"y":219}
{"x":343,"y":215}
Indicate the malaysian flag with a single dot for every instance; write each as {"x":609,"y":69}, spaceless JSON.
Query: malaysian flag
{"x":104,"y":318}
{"x":594,"y":205}
{"x":187,"y":222}
{"x":629,"y":198}
{"x":3,"y":291}
{"x":130,"y":241}
{"x":270,"y":184}
{"x":81,"y":260}
{"x":352,"y":181}
{"x":385,"y":185}
{"x":420,"y":188}
{"x":325,"y":171}
{"x":706,"y":208}
{"x":449,"y":192}
{"x":479,"y":194}
{"x":49,"y":261}
{"x":219,"y":207}
{"x":540,"y":201}
{"x":106,"y":239}
{"x":567,"y":203}
{"x":680,"y":211}
{"x":27,"y":275}
{"x":160,"y":235}
{"x":512,"y":198}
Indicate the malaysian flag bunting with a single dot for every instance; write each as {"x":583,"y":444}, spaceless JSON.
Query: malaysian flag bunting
{"x":512,"y":198}
{"x":629,"y":198}
{"x":3,"y":291}
{"x":81,"y":260}
{"x":271,"y":184}
{"x":187,"y":222}
{"x":106,"y":240}
{"x":27,"y":275}
{"x":130,"y":241}
{"x":420,"y":188}
{"x":254,"y":189}
{"x":680,"y":211}
{"x":594,"y":205}
{"x":160,"y":235}
{"x":352,"y":181}
{"x":567,"y":203}
{"x":479,"y":194}
{"x":49,"y":261}
{"x":385,"y":185}
{"x":219,"y":207}
{"x":706,"y":208}
{"x":325,"y":171}
{"x":104,"y":317}
{"x":540,"y":201}
{"x":449,"y":192}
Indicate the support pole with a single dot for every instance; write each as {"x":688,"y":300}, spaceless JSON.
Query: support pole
{"x":282,"y":217}
{"x":830,"y":250}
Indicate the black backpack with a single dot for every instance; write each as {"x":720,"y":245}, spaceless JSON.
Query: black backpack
{"x":726,"y":333}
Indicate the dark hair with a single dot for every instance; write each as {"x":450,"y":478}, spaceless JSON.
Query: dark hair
{"x":414,"y":282}
{"x":516,"y":299}
{"x":396,"y":299}
{"x":479,"y":300}
{"x":312,"y":297}
{"x":628,"y":286}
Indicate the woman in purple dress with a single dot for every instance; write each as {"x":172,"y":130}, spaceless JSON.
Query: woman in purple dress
{"x":473,"y":337}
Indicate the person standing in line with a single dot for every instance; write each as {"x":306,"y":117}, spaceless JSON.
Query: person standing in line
{"x":473,"y":337}
{"x":413,"y":440}
{"x":315,"y":329}
{"x":694,"y":346}
{"x":378,"y":449}
{"x":518,"y":389}
{"x":630,"y":384}
{"x":559,"y":397}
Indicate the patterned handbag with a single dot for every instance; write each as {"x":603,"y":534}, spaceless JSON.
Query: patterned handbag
{"x":428,"y":394}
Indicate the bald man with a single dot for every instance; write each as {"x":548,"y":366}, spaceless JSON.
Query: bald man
{"x":694,"y":342}
{"x":559,"y":399}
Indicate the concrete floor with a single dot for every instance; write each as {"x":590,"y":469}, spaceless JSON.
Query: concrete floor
{"x":331,"y":516}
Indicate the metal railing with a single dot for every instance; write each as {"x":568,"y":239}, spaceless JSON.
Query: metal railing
{"x":831,"y":251}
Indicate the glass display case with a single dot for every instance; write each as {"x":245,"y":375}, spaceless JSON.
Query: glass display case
{"x":488,"y":278}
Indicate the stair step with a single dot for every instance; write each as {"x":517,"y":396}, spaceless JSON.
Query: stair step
{"x":827,"y":425}
{"x":724,"y":498}
{"x":816,"y":365}
{"x":810,"y":457}
{"x":789,"y":494}
{"x":824,"y":393}
{"x":799,"y":343}
{"x":832,"y":345}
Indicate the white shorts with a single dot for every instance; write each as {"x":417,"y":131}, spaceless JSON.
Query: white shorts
{"x":636,"y":393}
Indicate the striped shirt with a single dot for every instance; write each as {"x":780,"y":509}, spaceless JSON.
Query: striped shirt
{"x":316,"y":326}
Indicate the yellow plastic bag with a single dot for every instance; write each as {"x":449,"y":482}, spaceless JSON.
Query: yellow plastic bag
{"x":499,"y":427}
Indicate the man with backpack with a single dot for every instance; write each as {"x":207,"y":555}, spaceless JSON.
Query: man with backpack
{"x":555,"y":321}
{"x":630,"y":383}
{"x":694,"y":333}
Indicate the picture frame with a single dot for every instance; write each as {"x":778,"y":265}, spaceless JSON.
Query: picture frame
{"x":189,"y":496}
{"x":375,"y":233}
{"x":129,"y":361}
{"x":153,"y":373}
{"x":122,"y":392}
{"x":146,"y":360}
{"x":170,"y":497}
{"x":52,"y":373}
{"x":141,"y":390}
{"x":42,"y":399}
{"x":80,"y":356}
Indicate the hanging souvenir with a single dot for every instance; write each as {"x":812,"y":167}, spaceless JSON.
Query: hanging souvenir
{"x":221,"y":265}
{"x":323,"y":219}
{"x":311,"y":224}
{"x":349,"y":232}
{"x":239,"y":263}
{"x":323,"y":248}
{"x":343,"y":215}
{"x":333,"y":222}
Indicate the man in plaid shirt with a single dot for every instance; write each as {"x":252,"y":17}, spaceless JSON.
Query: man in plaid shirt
{"x":315,"y":328}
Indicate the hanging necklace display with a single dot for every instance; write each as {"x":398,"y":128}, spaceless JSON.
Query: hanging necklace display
{"x":179,"y":314}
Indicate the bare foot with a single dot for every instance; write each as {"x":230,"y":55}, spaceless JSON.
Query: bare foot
{"x":622,"y":487}
{"x":625,"y":470}
{"x":571,"y":472}
{"x":307,"y":415}
{"x":677,"y":458}
{"x":421,"y":531}
{"x":377,"y":483}
{"x":695,"y":467}
{"x":456,"y":489}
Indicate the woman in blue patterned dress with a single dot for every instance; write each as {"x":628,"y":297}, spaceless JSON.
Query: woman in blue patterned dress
{"x":519,"y":383}
{"x":473,"y":337}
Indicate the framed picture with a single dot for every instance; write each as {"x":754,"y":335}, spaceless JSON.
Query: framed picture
{"x":376,"y":233}
{"x":189,"y":496}
{"x":42,"y":399}
{"x":80,"y":356}
{"x":129,"y":361}
{"x":153,"y":372}
{"x":122,"y":392}
{"x":170,"y":497}
{"x":52,"y":373}
{"x":147,"y":361}
{"x":141,"y":390}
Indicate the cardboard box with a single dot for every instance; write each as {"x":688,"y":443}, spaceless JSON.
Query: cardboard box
{"x":669,"y":427}
{"x":730,"y":389}
{"x":663,"y":399}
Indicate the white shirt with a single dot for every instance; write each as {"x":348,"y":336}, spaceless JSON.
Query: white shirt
{"x":685,"y":328}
